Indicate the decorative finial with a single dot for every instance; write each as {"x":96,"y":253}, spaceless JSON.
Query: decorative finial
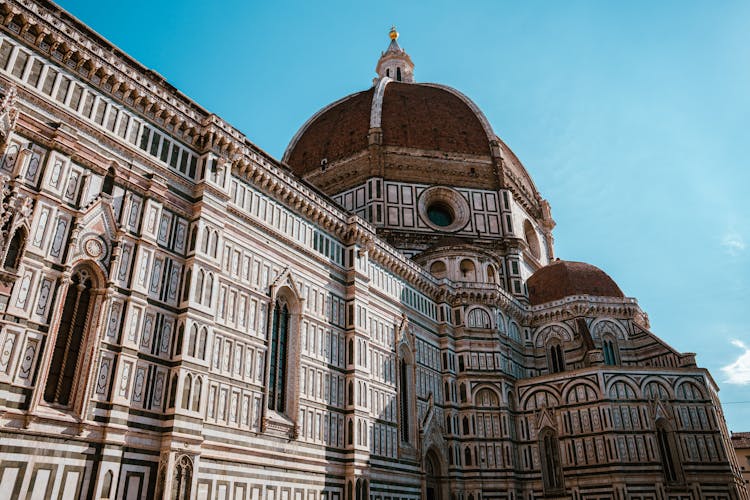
{"x":393,"y":33}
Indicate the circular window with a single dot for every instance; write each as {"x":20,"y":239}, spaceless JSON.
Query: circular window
{"x":440,"y":213}
{"x":443,"y":209}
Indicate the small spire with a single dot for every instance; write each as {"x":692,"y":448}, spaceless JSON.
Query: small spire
{"x":395,"y":63}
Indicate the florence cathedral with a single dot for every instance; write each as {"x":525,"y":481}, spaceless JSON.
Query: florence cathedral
{"x":378,"y":315}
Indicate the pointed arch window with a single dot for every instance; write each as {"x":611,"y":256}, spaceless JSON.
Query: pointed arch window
{"x":70,"y":336}
{"x":405,"y":389}
{"x":549,"y":452}
{"x":15,"y":250}
{"x":186,"y":289}
{"x":202,"y":341}
{"x":209,"y":289}
{"x":214,"y":243}
{"x":192,"y":340}
{"x":193,"y":238}
{"x":197,"y":394}
{"x":556,"y":358}
{"x":278,"y":357}
{"x":107,"y":485}
{"x":609,"y":350}
{"x":183,"y":478}
{"x":180,"y":340}
{"x":668,"y":452}
{"x":199,"y":285}
{"x":186,"y":387}
{"x":173,"y":390}
{"x":204,"y":241}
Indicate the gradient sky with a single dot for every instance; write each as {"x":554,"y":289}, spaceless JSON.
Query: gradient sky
{"x":632,"y":118}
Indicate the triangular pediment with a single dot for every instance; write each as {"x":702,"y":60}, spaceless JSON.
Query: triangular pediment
{"x":545,"y":418}
{"x":285,"y":279}
{"x":100,"y":218}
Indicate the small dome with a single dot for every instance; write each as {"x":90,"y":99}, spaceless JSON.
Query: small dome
{"x":564,"y":278}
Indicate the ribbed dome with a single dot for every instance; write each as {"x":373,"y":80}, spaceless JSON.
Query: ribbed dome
{"x":410,"y":115}
{"x":563,"y":278}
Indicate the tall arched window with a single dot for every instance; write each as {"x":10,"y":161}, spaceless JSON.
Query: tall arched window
{"x":668,"y":452}
{"x":209,"y":289}
{"x":70,"y":335}
{"x":404,"y":390}
{"x":549,"y":453}
{"x":462,"y":392}
{"x":204,"y":241}
{"x":278,"y":357}
{"x":609,"y":349}
{"x":186,"y":284}
{"x":180,"y":340}
{"x":214,"y":243}
{"x":173,"y":390}
{"x":199,"y":286}
{"x":192,"y":339}
{"x":398,"y":73}
{"x":186,"y":387}
{"x":556,"y":358}
{"x":202,"y":341}
{"x":15,"y":250}
{"x":193,"y":237}
{"x":197,"y":394}
{"x":107,"y":485}
{"x":183,"y":478}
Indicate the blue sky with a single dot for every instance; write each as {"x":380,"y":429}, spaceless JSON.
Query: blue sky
{"x":632,"y":118}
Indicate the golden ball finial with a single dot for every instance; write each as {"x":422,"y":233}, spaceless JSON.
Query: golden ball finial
{"x":393,"y":33}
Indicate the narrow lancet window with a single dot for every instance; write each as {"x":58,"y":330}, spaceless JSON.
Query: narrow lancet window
{"x":404,"y":387}
{"x":277,"y":374}
{"x":549,"y":448}
{"x":668,"y":451}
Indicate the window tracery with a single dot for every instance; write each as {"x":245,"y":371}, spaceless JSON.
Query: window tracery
{"x":70,"y":337}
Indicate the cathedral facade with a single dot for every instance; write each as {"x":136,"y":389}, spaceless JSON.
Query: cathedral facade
{"x":379,"y":315}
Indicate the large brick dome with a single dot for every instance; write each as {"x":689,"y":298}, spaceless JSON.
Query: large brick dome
{"x":409,"y":115}
{"x":402,"y":132}
{"x":564,"y":278}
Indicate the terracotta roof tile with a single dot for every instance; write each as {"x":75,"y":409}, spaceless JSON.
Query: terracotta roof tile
{"x":337,"y":133}
{"x":422,"y":117}
{"x":564,"y":278}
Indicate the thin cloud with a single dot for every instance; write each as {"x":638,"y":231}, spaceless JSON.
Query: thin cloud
{"x":739,"y":371}
{"x":733,"y":244}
